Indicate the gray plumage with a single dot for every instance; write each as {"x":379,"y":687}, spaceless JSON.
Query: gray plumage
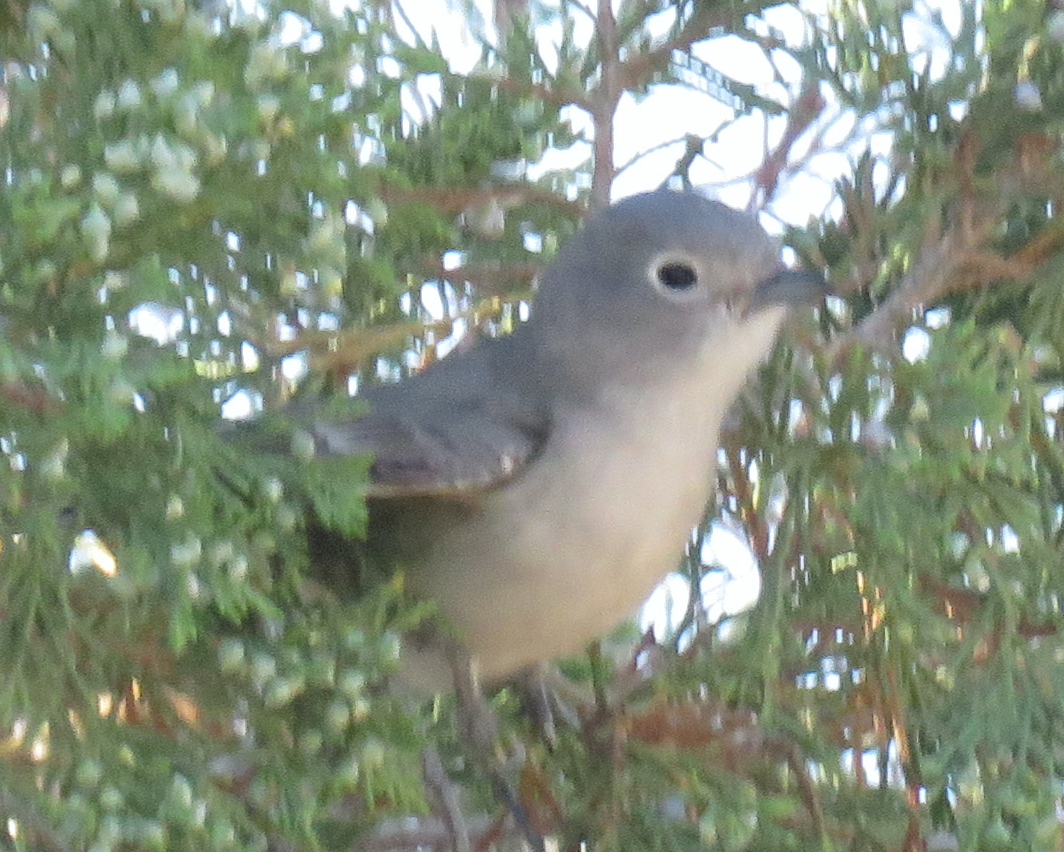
{"x":538,"y":486}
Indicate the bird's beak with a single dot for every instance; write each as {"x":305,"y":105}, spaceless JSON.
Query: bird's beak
{"x":788,"y":288}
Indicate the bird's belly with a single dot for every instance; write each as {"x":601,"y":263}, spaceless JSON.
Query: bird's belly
{"x":579,"y":540}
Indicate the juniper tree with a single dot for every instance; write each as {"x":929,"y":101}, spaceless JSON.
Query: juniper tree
{"x":207,"y":210}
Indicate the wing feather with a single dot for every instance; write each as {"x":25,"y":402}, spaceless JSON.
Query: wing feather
{"x":467,"y":425}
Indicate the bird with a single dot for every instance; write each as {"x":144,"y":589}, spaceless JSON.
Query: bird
{"x":537,"y":486}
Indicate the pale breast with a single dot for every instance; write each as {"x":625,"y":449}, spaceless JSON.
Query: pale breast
{"x":579,"y":540}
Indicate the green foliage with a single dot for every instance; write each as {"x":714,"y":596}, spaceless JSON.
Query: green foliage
{"x":265,"y":190}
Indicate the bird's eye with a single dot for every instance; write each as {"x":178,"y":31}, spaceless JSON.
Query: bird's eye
{"x":677,"y":276}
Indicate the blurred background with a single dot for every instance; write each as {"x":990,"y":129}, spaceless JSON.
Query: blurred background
{"x":208,"y":209}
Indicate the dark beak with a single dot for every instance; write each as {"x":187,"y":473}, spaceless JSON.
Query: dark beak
{"x":789,"y":288}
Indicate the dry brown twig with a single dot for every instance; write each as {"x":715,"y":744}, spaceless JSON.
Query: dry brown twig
{"x":956,"y":256}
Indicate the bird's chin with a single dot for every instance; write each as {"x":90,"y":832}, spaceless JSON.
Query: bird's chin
{"x":742,"y":337}
{"x":763,"y":323}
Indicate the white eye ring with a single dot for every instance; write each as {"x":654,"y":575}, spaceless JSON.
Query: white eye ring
{"x":675,"y":276}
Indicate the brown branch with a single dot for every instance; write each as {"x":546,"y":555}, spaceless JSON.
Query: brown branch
{"x":444,"y":795}
{"x":708,"y":17}
{"x":491,"y":279}
{"x":954,"y":257}
{"x":932,"y":276}
{"x":962,"y":606}
{"x":336,"y":350}
{"x":539,"y":91}
{"x":809,"y":105}
{"x":342,"y":353}
{"x":455,"y":200}
{"x":580,"y":7}
{"x":807,"y":788}
{"x":34,"y":401}
{"x":914,"y":781}
{"x":604,"y":103}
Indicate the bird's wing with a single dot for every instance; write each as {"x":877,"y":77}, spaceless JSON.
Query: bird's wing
{"x":455,"y":430}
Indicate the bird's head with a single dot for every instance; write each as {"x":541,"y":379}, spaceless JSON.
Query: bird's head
{"x":660,"y":279}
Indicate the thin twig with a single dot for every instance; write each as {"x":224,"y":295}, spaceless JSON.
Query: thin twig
{"x":929,"y":279}
{"x":604,"y":103}
{"x":709,"y":16}
{"x":445,"y":797}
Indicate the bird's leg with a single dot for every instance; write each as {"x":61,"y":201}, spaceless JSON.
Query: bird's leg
{"x":444,"y":795}
{"x":537,"y":701}
{"x":478,"y":728}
